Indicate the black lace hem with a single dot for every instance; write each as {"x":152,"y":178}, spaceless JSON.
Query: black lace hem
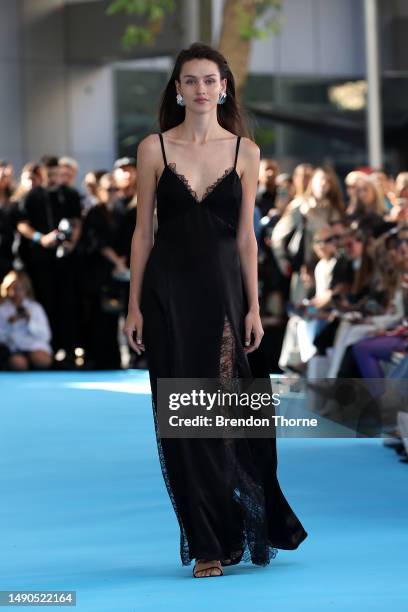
{"x":248,"y":494}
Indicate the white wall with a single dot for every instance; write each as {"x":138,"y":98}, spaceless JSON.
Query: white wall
{"x":91,"y":116}
{"x":318,"y":37}
{"x":47,"y":105}
{"x":11,"y":92}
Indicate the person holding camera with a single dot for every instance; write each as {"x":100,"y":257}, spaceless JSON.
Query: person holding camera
{"x":49,"y":221}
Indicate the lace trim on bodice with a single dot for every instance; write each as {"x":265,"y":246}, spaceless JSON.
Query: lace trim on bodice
{"x":210,"y":188}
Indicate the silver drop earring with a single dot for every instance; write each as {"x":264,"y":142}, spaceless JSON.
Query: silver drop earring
{"x":180,"y":100}
{"x":222,"y":97}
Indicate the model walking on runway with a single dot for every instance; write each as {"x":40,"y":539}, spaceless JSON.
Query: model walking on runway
{"x":193,"y":308}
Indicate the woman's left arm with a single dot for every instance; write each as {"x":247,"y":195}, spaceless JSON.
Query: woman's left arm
{"x":247,"y":244}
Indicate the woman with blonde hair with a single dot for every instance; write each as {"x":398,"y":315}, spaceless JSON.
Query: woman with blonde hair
{"x":24,"y":327}
{"x":370,"y":197}
{"x":350,"y":183}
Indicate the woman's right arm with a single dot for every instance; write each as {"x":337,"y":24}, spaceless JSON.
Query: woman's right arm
{"x":142,"y":240}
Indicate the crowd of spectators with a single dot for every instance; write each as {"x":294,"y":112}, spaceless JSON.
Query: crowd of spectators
{"x":64,"y":264}
{"x":333,"y":268}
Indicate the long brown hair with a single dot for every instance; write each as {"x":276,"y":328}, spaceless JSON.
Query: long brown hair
{"x":334,"y":195}
{"x":228,"y":114}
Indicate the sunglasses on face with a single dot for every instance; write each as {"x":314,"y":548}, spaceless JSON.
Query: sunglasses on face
{"x":112,"y":189}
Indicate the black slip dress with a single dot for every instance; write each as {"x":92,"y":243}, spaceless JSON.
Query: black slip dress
{"x":225,"y":494}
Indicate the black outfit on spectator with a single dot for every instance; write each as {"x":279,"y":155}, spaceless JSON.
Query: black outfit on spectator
{"x":54,"y":278}
{"x":126,"y":215}
{"x":7,"y":232}
{"x":104,"y":299}
{"x":271,"y":277}
{"x":369,"y":222}
{"x":265,"y":200}
{"x":343,"y":272}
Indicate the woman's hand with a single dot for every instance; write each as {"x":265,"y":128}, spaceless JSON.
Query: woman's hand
{"x":134,"y":323}
{"x":253,"y":326}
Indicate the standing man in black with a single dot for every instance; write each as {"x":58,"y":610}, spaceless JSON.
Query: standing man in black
{"x":125,"y":174}
{"x":267,"y":188}
{"x":7,"y":218}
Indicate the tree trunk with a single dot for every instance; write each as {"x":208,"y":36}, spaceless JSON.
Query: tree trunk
{"x":232,"y":45}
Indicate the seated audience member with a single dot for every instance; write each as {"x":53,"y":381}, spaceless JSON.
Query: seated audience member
{"x":308,"y":319}
{"x":380,"y":308}
{"x":24,"y":330}
{"x":371,"y":351}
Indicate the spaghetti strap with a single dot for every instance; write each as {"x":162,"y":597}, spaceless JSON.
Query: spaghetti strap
{"x":236,"y":152}
{"x":162,"y":147}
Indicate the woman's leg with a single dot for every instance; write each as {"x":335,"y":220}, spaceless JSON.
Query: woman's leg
{"x":18,"y":362}
{"x":368,"y":353}
{"x":347,"y":335}
{"x":40,"y":359}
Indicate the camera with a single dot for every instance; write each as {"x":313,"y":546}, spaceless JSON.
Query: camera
{"x":65,"y":230}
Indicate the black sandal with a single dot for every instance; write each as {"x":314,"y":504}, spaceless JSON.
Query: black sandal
{"x":208,"y":568}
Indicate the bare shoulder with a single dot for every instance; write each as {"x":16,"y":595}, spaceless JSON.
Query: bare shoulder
{"x":248,"y":160}
{"x":249,"y":150}
{"x":149,"y":146}
{"x":249,"y":154}
{"x":149,"y":155}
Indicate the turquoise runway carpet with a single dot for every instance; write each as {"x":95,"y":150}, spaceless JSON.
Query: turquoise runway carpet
{"x":84,"y":508}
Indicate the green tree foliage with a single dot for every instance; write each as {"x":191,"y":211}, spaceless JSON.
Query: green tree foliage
{"x":151,"y":13}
